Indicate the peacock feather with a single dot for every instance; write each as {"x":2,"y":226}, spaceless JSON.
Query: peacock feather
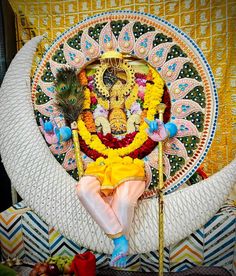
{"x":69,"y":94}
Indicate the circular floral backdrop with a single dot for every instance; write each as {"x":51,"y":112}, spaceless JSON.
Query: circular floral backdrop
{"x":124,"y":89}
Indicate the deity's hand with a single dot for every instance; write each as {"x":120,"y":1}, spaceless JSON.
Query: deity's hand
{"x":53,"y":134}
{"x":158,"y":131}
{"x":153,"y":125}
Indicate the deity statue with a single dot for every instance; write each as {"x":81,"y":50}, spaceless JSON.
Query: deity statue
{"x":111,"y":185}
{"x":118,"y":177}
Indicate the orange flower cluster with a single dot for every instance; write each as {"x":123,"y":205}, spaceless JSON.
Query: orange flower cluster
{"x":149,"y":76}
{"x":87,"y":117}
{"x":92,"y":94}
{"x":143,"y":116}
{"x":83,"y":77}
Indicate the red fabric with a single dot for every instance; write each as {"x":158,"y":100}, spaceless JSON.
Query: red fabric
{"x":84,"y":264}
{"x":202,"y":173}
{"x":167,"y":102}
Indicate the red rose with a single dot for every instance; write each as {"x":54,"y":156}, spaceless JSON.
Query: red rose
{"x":93,"y":100}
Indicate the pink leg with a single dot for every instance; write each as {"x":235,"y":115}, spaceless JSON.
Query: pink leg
{"x":89,"y":194}
{"x":124,"y":201}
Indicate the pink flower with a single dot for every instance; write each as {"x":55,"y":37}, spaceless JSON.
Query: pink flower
{"x":141,"y":92}
{"x":141,"y":82}
{"x":93,"y":100}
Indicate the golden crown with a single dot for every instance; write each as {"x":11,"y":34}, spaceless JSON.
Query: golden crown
{"x":112,"y":54}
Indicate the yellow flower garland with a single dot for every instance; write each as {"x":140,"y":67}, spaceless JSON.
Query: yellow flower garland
{"x":87,"y":102}
{"x":153,"y":93}
{"x":132,"y":97}
{"x":103,"y":103}
{"x":152,"y":98}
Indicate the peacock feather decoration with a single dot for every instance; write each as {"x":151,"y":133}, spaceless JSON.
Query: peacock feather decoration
{"x":70,"y":94}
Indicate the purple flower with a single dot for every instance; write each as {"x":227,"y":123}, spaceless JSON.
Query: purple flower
{"x":100,"y":111}
{"x":135,"y":108}
{"x":141,"y":82}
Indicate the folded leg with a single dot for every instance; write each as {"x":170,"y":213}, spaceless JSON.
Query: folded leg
{"x":89,"y":194}
{"x":125,"y":200}
{"x":123,"y":204}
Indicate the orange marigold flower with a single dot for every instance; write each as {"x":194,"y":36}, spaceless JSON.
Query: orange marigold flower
{"x":143,"y":116}
{"x":87,"y":117}
{"x":83,"y":77}
{"x":93,"y":95}
{"x":149,"y":76}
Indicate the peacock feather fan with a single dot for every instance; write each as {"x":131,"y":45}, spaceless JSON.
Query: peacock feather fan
{"x":69,"y":94}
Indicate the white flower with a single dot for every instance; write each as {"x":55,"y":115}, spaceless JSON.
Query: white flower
{"x":100,"y":111}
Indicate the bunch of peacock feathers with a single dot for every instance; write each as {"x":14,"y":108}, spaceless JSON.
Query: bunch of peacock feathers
{"x":69,"y":94}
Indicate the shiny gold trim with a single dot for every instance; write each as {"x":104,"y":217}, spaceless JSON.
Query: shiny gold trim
{"x":78,"y":159}
{"x":161,"y":109}
{"x":114,"y":236}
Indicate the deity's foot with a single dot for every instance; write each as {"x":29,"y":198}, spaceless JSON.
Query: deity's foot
{"x":120,"y":252}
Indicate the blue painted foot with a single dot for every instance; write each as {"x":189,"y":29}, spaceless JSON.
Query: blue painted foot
{"x":120,"y":252}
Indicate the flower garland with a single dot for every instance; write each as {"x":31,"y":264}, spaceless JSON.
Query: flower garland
{"x":87,"y":100}
{"x":87,"y":117}
{"x":82,"y":77}
{"x":153,"y":96}
{"x":112,"y":142}
{"x":132,"y":97}
{"x":147,"y":147}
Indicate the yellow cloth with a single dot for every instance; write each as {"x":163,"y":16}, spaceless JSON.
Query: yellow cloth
{"x":112,"y":174}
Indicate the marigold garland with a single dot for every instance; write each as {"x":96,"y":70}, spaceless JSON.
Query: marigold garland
{"x":87,"y":100}
{"x":143,"y":116}
{"x":103,"y":102}
{"x":87,"y":117}
{"x":147,"y":147}
{"x":153,"y":95}
{"x":151,"y":98}
{"x":83,"y":77}
{"x":132,"y":97}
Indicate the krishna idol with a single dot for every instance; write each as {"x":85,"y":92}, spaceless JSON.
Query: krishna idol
{"x":115,"y":102}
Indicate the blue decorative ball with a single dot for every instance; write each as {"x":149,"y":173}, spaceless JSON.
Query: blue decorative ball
{"x":65,"y":133}
{"x":48,"y":126}
{"x":171,"y":128}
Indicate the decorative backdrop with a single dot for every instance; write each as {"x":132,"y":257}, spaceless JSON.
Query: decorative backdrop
{"x":212,"y":24}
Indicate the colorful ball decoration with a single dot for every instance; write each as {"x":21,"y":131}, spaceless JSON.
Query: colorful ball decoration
{"x":147,"y":52}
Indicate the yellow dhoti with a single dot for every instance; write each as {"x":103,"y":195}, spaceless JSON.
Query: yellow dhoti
{"x":125,"y":181}
{"x":111,"y":174}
